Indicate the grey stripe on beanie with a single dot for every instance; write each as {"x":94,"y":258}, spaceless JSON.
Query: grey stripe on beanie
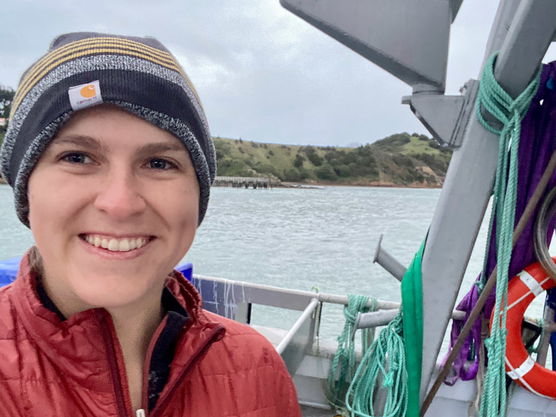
{"x":138,"y":75}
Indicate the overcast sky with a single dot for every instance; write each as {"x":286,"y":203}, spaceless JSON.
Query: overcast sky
{"x":262,"y":73}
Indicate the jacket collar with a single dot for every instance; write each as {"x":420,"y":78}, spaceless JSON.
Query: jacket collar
{"x":75,"y":344}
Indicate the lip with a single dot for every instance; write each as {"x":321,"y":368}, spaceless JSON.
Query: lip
{"x":118,"y":235}
{"x":116,"y":255}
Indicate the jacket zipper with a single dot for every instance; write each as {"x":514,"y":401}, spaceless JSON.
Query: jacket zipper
{"x":115,"y":372}
{"x":142,"y":412}
{"x":163,"y":402}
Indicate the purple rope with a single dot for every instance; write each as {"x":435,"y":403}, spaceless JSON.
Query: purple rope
{"x":537,"y":143}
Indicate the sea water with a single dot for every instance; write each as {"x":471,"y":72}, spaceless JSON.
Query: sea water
{"x":316,"y":239}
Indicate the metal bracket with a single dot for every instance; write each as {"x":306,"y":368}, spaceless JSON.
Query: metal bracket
{"x":445,"y":117}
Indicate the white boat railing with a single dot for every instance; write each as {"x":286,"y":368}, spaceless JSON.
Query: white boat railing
{"x":242,"y":291}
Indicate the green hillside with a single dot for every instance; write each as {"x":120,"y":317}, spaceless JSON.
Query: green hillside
{"x":398,"y":160}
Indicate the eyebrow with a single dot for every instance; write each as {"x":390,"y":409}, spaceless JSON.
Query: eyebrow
{"x":93,"y":144}
{"x":151,"y":148}
{"x":79,"y":140}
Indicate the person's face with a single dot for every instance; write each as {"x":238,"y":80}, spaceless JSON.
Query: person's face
{"x":113,"y":208}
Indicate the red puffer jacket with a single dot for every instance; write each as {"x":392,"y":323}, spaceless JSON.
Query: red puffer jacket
{"x":54,"y":368}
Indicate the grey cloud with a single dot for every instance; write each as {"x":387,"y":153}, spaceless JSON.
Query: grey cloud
{"x":262,"y":73}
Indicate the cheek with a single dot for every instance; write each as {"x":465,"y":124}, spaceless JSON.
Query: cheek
{"x":187,"y":217}
{"x":188,"y":204}
{"x":47,"y":204}
{"x":185,"y":212}
{"x":44,"y":212}
{"x":39,"y":201}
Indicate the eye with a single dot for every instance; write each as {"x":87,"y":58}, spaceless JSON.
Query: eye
{"x":161,"y":164}
{"x":76,"y":158}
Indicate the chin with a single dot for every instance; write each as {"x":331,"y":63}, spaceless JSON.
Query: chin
{"x":111,"y":291}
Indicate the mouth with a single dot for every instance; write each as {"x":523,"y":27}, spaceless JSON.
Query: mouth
{"x":116,"y":244}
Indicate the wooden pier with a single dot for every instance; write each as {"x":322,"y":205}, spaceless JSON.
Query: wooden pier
{"x":246,"y":182}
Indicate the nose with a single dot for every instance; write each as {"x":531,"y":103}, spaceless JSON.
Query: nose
{"x":119,"y":195}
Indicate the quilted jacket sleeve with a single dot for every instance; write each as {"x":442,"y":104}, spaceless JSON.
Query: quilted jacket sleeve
{"x":285,"y":390}
{"x":243,"y":375}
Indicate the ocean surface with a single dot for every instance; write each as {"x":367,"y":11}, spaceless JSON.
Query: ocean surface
{"x":320,"y":239}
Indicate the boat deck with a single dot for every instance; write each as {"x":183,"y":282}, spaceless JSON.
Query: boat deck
{"x":315,"y":412}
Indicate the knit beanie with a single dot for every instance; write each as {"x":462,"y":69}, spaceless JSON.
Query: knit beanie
{"x":83,"y":69}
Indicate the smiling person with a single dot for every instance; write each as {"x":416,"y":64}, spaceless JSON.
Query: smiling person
{"x":111,"y":162}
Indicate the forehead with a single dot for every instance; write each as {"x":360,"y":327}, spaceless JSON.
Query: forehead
{"x":108,"y":127}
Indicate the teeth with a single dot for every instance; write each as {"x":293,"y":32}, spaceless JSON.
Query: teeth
{"x":113,"y":245}
{"x":124,"y":245}
{"x":116,"y":245}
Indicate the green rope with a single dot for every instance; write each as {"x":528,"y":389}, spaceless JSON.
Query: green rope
{"x":343,"y":364}
{"x":382,"y":369}
{"x":390,"y":370}
{"x":493,"y":100}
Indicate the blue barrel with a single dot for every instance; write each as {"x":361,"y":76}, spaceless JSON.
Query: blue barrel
{"x":186,"y":269}
{"x":9,"y":268}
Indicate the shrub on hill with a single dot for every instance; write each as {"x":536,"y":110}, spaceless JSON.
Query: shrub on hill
{"x":298,"y":161}
{"x":266,"y":169}
{"x":403,"y":161}
{"x":234,"y":168}
{"x":343,"y":171}
{"x":312,"y":155}
{"x":393,"y":142}
{"x":326,"y":173}
{"x":438,"y":164}
{"x":295,"y":175}
{"x":223,"y":149}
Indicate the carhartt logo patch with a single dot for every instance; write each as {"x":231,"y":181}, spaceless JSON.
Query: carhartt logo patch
{"x":89,"y":91}
{"x":85,"y":95}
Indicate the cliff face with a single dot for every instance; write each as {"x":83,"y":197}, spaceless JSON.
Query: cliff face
{"x":399,"y":160}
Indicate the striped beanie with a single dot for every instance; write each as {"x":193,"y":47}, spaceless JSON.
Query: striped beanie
{"x":83,"y":69}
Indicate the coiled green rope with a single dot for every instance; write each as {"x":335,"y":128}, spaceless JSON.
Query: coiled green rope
{"x":493,"y":100}
{"x":382,"y":371}
{"x":344,"y":363}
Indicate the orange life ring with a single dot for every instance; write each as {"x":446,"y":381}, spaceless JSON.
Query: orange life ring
{"x":522,"y":290}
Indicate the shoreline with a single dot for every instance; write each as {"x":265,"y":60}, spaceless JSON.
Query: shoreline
{"x":286,"y":184}
{"x":333,"y":184}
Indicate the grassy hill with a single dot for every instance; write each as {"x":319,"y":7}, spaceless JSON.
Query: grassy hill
{"x":398,"y":160}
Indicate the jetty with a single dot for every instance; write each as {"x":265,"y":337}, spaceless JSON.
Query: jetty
{"x":246,"y":182}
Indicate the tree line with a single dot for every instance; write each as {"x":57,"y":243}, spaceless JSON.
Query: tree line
{"x":6,"y":98}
